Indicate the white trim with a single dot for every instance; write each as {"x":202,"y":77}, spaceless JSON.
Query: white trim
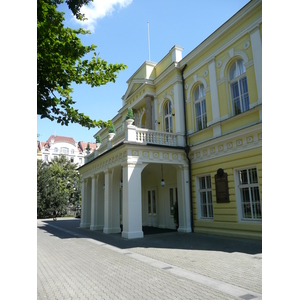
{"x":238,"y":195}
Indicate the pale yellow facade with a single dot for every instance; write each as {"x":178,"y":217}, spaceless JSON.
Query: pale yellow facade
{"x":194,"y":115}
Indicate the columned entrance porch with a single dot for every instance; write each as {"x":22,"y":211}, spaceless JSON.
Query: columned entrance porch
{"x":124,"y":186}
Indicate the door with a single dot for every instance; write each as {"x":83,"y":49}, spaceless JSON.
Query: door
{"x":172,"y":197}
{"x":152,"y":205}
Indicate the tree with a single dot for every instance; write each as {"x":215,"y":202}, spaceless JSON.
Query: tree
{"x":57,"y":186}
{"x":60,"y":62}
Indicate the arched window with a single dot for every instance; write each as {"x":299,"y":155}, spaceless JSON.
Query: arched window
{"x":200,"y":107}
{"x":168,"y":117}
{"x":239,"y":87}
{"x":55,"y":149}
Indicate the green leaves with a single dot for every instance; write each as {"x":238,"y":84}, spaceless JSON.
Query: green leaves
{"x":57,"y":186}
{"x":60,"y":63}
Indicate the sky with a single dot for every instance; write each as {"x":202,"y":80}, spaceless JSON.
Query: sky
{"x":119,"y":29}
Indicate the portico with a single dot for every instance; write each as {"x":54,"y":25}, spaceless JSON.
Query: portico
{"x":140,"y":200}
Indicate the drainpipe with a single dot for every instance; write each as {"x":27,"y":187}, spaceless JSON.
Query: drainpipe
{"x":187,"y":150}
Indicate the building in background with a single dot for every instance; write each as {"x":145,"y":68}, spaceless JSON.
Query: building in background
{"x":56,"y":146}
{"x":195,"y":144}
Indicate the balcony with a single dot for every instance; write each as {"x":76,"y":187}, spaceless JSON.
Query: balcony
{"x":142,"y":136}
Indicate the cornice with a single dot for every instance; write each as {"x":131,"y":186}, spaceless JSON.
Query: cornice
{"x":235,"y":142}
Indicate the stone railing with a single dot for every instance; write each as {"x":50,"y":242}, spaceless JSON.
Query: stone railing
{"x":134,"y":134}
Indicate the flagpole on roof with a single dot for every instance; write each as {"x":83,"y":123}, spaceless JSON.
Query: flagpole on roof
{"x":148,"y":40}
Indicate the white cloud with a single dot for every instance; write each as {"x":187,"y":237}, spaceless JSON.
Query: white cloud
{"x":98,"y":9}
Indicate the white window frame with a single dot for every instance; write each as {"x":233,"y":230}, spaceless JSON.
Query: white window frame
{"x":198,"y":197}
{"x":200,"y":101}
{"x":239,"y":79}
{"x":238,"y":194}
{"x":168,"y":116}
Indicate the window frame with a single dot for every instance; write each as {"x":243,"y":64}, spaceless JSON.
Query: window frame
{"x":168,"y":116}
{"x":199,"y":198}
{"x":239,"y":197}
{"x":200,"y":101}
{"x":241,"y":82}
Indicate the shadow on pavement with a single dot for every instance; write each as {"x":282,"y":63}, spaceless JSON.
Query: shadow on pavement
{"x":154,"y":238}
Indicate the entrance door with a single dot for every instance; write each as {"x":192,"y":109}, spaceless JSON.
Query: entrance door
{"x":152,"y":204}
{"x":173,"y":197}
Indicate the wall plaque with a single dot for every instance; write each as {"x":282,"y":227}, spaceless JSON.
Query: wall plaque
{"x":221,"y":183}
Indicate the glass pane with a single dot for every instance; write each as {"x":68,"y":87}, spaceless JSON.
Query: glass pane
{"x":246,"y":206}
{"x":232,"y":72}
{"x":208,"y":182}
{"x":243,"y":177}
{"x":256,"y":207}
{"x":171,"y":125}
{"x":197,"y":96}
{"x":202,"y":183}
{"x":202,"y":93}
{"x":210,"y":205}
{"x":153,"y":202}
{"x":149,"y":202}
{"x":167,"y":124}
{"x":203,"y":204}
{"x":241,"y":67}
{"x":171,"y":201}
{"x":253,"y":176}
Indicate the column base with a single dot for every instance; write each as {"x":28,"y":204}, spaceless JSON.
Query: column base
{"x":112,"y":230}
{"x":184,"y":229}
{"x":132,"y":234}
{"x":85,"y":225}
{"x":96,"y":227}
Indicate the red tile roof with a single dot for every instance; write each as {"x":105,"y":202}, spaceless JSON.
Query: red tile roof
{"x":58,"y":139}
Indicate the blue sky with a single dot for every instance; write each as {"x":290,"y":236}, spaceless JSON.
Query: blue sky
{"x":120,"y":33}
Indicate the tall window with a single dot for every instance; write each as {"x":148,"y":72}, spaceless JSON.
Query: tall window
{"x":239,"y":87}
{"x":55,"y":149}
{"x":249,"y":193}
{"x":206,"y":205}
{"x":168,"y":117}
{"x":200,"y":107}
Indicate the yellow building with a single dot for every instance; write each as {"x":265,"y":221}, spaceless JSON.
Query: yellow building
{"x":196,"y":140}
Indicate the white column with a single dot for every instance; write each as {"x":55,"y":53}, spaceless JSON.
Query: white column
{"x":83,"y":221}
{"x":257,"y":60}
{"x":184,"y":208}
{"x":179,"y":109}
{"x":111,"y":206}
{"x":132,"y":202}
{"x":94,"y":196}
{"x":214,"y":98}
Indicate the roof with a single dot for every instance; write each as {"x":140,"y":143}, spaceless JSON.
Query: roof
{"x":60,"y":139}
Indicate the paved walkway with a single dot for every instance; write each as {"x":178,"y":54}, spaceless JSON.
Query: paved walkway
{"x":76,"y":263}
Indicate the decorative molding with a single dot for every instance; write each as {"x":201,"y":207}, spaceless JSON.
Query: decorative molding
{"x":246,"y":45}
{"x":246,"y":139}
{"x":219,"y":63}
{"x":205,"y":73}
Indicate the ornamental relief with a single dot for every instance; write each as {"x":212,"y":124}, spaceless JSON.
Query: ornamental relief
{"x":227,"y":147}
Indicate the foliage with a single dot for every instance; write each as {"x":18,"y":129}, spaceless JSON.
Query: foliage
{"x":98,"y":139}
{"x":129,"y":114}
{"x":60,"y":63}
{"x":57,"y":186}
{"x":111,"y":129}
{"x":88,"y":148}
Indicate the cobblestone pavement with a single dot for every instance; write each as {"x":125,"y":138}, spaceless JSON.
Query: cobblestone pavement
{"x":74,"y":263}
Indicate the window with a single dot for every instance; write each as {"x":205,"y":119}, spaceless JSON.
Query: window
{"x":206,"y":205}
{"x":55,"y":149}
{"x":72,"y":151}
{"x":239,"y":87}
{"x":200,"y":107}
{"x":64,"y":150}
{"x":168,"y":117}
{"x":80,"y":161}
{"x":46,"y":157}
{"x":249,"y":194}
